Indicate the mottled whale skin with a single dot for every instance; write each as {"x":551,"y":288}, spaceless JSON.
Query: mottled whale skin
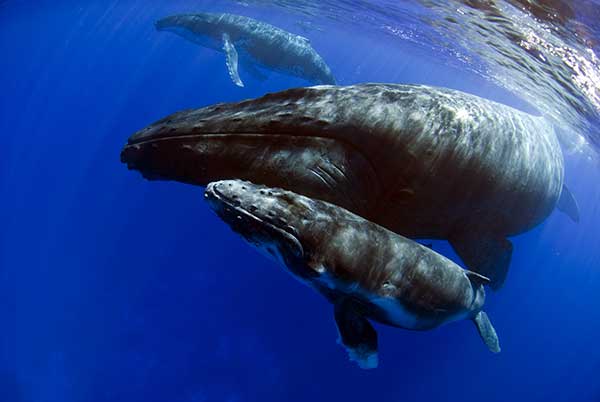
{"x":424,"y":162}
{"x":364,"y":270}
{"x":252,"y":43}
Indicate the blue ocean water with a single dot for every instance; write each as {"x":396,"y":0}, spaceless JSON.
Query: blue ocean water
{"x":114,"y":288}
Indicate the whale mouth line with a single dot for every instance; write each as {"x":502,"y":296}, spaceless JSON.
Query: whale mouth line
{"x":151,"y":139}
{"x":154,"y":140}
{"x":158,"y":155}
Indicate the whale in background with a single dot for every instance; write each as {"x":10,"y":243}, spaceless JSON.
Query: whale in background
{"x":251,"y":43}
{"x":364,"y":270}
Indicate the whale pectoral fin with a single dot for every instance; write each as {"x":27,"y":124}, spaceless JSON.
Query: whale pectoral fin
{"x":357,"y":334}
{"x":232,"y":60}
{"x":487,"y":332}
{"x":568,"y":205}
{"x":484,"y":253}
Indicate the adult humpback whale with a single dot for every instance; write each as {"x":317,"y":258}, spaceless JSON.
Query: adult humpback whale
{"x":251,"y":42}
{"x":364,"y":270}
{"x":424,"y":162}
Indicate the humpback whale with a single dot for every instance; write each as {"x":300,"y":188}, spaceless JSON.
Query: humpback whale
{"x":424,"y":162}
{"x":251,"y":43}
{"x":364,"y":270}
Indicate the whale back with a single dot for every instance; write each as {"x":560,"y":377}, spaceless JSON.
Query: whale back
{"x":445,"y":158}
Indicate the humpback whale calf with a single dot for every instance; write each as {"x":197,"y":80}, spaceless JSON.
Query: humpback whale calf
{"x":421,"y":161}
{"x":252,"y":43}
{"x":364,"y":270}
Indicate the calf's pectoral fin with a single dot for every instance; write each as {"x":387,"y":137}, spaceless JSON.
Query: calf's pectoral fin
{"x":357,"y":334}
{"x":487,"y":332}
{"x":232,"y":60}
{"x":484,"y":253}
{"x":568,"y":205}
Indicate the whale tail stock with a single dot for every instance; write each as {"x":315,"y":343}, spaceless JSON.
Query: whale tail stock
{"x":487,"y":332}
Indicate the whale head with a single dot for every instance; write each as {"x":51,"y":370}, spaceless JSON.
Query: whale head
{"x":202,"y":29}
{"x":265,"y":141}
{"x":272,"y":220}
{"x":192,"y":22}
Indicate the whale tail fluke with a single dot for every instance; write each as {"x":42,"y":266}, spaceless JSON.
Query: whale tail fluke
{"x":487,"y":332}
{"x":568,"y":205}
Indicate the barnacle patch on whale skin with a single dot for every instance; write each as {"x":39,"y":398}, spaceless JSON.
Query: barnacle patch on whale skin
{"x":251,"y":227}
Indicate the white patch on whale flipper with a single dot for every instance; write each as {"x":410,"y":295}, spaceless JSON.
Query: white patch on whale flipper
{"x":232,"y":60}
{"x":356,"y":333}
{"x":366,"y":358}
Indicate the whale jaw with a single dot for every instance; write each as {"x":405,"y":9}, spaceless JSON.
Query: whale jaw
{"x":318,"y":167}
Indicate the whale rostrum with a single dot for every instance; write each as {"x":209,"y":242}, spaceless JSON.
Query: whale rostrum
{"x":364,"y":270}
{"x":424,"y":162}
{"x":251,"y":43}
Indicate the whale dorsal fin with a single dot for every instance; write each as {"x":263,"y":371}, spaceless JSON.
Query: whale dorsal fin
{"x":357,"y":334}
{"x":232,"y":60}
{"x":487,"y":332}
{"x":568,"y":205}
{"x":485,"y":253}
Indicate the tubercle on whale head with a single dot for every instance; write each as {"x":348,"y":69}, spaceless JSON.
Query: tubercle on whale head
{"x":267,"y":218}
{"x":192,"y":22}
{"x":201,"y":146}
